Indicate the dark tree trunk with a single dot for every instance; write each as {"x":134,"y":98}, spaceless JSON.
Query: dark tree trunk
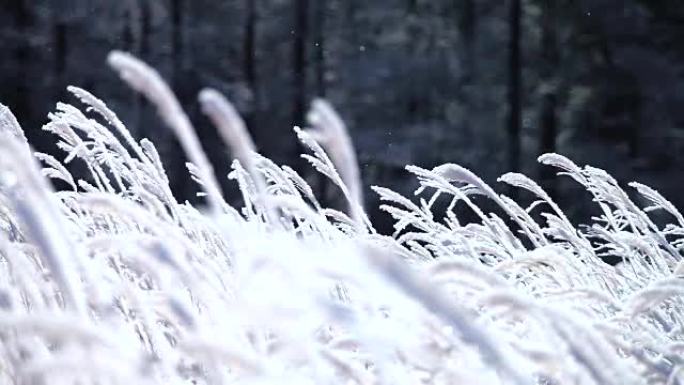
{"x":466,"y":24}
{"x":547,"y":141}
{"x":22,"y":20}
{"x":351,"y":11}
{"x":547,"y":117}
{"x":145,"y":29}
{"x":413,"y":104}
{"x":177,"y":40}
{"x":301,"y":31}
{"x":143,"y":45}
{"x":249,"y":61}
{"x":131,"y":42}
{"x":514,"y":80}
{"x":60,"y":39}
{"x":180,"y":180}
{"x":127,"y":35}
{"x":320,"y":46}
{"x":320,"y":68}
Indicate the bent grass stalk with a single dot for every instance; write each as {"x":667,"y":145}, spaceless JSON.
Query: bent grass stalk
{"x":113,"y":281}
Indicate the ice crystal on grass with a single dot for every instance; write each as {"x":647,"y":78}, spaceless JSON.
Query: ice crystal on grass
{"x":111,"y":280}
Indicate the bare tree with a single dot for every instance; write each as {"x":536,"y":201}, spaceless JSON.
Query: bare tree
{"x":59,"y":32}
{"x":177,"y":38}
{"x":22,"y":16}
{"x":301,"y":32}
{"x":319,"y":35}
{"x":142,"y":44}
{"x":249,"y":59}
{"x":466,"y":24}
{"x":549,"y":97}
{"x":514,"y":79}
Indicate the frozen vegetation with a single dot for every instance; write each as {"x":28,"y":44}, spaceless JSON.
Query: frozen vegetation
{"x":112,"y":281}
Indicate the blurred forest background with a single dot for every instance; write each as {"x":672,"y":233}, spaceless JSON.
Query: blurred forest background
{"x":488,"y":84}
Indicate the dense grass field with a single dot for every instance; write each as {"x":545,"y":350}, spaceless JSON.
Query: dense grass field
{"x":113,"y":281}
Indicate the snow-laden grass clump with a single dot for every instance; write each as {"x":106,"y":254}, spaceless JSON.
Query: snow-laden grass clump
{"x":112,"y":281}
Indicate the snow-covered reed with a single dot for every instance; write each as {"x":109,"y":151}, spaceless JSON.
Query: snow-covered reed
{"x":111,"y":280}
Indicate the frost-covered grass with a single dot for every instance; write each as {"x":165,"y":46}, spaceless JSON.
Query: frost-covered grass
{"x":113,"y":281}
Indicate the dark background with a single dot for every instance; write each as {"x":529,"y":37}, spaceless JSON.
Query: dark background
{"x":488,"y":84}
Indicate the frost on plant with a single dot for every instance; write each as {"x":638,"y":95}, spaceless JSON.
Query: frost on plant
{"x":113,"y":281}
